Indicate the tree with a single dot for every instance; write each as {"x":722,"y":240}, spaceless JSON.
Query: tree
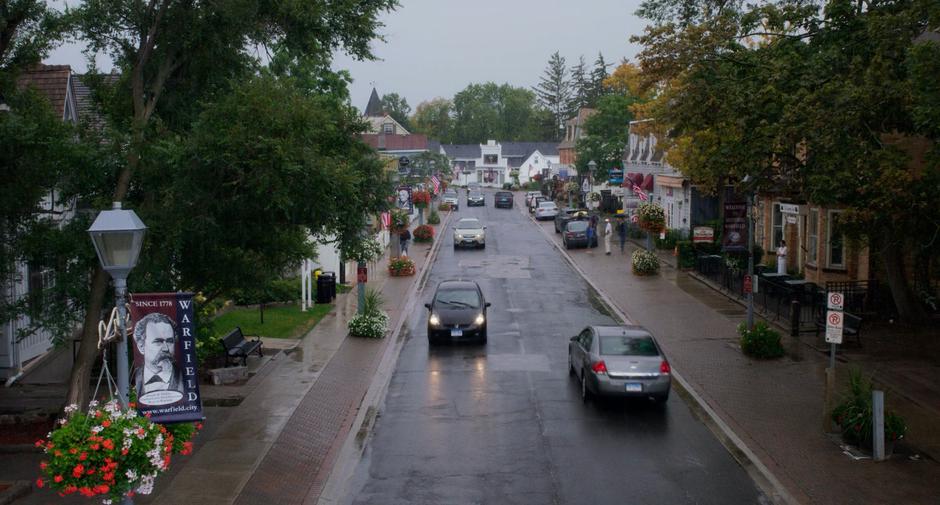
{"x":29,"y":29}
{"x":598,"y":74}
{"x":607,"y":133}
{"x":433,"y":118}
{"x":827,"y":103}
{"x":397,"y":107}
{"x":488,"y":111}
{"x":554,"y":92}
{"x":581,"y":86}
{"x":172,"y":57}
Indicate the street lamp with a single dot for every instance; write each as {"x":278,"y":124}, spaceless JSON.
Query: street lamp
{"x":592,"y":166}
{"x":748,"y":181}
{"x":118,"y":235}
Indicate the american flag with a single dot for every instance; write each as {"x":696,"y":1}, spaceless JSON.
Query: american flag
{"x":386,"y":219}
{"x":436,"y":182}
{"x":639,"y":192}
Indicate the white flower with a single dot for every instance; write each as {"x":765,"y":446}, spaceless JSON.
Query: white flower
{"x":97,"y":429}
{"x":92,"y":405}
{"x":106,"y":501}
{"x":132,"y":475}
{"x":71,"y":408}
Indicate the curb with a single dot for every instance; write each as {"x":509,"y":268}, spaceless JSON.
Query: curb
{"x":775,"y":490}
{"x":351,"y":451}
{"x":17,"y":490}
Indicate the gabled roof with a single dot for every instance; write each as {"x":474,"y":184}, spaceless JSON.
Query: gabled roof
{"x":374,"y":107}
{"x":525,"y":149}
{"x":462,"y":151}
{"x":383,"y":142}
{"x":54,"y":82}
{"x":376,"y":122}
{"x":84,"y":101}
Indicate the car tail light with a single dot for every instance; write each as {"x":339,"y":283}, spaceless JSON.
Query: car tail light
{"x":570,"y":234}
{"x":664,"y":368}
{"x":599,"y":368}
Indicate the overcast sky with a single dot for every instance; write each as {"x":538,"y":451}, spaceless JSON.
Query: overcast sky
{"x":437,"y":47}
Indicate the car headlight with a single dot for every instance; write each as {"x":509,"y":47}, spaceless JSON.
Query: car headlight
{"x":434,"y":320}
{"x":479,"y":320}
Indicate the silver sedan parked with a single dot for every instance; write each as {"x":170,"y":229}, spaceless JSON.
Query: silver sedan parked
{"x":619,"y":361}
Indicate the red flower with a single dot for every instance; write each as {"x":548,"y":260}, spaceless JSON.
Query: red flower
{"x":123,"y":452}
{"x":58,"y":454}
{"x":106,"y":423}
{"x":108,"y":444}
{"x":39,"y":443}
{"x":83,"y":456}
{"x":198,"y":426}
{"x":86,"y":491}
{"x":70,"y":489}
{"x":132,"y":405}
{"x":73,"y":451}
{"x":141,"y":432}
{"x":130,"y":494}
{"x":57,"y":478}
{"x":187,"y":448}
{"x":147,"y":415}
{"x":95,"y":447}
{"x":108,"y":476}
{"x":78,"y":470}
{"x":39,"y":482}
{"x":43,"y":465}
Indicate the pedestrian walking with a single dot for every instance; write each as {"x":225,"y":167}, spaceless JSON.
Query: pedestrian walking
{"x":403,"y":239}
{"x":622,"y":232}
{"x":592,"y":231}
{"x":608,"y":235}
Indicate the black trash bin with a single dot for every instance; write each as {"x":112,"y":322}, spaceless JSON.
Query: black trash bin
{"x":324,"y":289}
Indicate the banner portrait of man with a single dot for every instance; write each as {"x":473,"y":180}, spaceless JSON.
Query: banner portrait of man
{"x":155,"y":337}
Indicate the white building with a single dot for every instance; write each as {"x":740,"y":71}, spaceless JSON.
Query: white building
{"x":495,"y":163}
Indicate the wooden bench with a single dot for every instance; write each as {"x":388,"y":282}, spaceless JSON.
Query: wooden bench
{"x":851,"y":326}
{"x":238,"y":347}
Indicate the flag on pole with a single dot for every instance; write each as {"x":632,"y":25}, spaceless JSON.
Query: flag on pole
{"x":639,"y":192}
{"x":386,"y":219}
{"x":437,"y":183}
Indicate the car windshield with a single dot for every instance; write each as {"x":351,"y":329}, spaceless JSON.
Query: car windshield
{"x":577,"y":226}
{"x":504,"y":195}
{"x":622,"y":345}
{"x":476,"y":195}
{"x":469,"y":224}
{"x":458,"y":298}
{"x":450,"y":193}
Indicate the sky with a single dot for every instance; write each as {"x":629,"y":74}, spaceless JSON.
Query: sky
{"x":435,"y":48}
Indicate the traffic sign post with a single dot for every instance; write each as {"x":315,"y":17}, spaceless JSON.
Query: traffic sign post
{"x":834,"y":327}
{"x":362,"y":274}
{"x":834,"y":324}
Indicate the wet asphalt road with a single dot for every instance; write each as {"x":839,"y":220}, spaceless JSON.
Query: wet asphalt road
{"x":504,"y":423}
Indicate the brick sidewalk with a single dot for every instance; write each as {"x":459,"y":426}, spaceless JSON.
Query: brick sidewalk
{"x":774,"y":407}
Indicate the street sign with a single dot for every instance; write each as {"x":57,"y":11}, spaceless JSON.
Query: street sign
{"x":834,"y":300}
{"x":634,"y":219}
{"x":789,"y":208}
{"x":747,"y":284}
{"x":404,"y":161}
{"x":834,"y":327}
{"x":362,"y":274}
{"x":585,"y":186}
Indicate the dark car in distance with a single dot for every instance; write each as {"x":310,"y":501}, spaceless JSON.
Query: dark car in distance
{"x":568,"y":214}
{"x":575,"y":235}
{"x":476,"y":199}
{"x":503,"y":199}
{"x":457,"y":312}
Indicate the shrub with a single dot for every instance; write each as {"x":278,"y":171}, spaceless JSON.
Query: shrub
{"x":533,"y":186}
{"x":515,"y":187}
{"x":644,"y":262}
{"x":686,"y":254}
{"x":434,"y":218}
{"x":761,"y":342}
{"x":444,"y":207}
{"x":423,"y":233}
{"x":853,"y":415}
{"x":277,"y":290}
{"x":672,"y":236}
{"x":507,"y":185}
{"x":369,"y":325}
{"x":707,"y":247}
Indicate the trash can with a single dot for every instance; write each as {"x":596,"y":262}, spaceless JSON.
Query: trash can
{"x":326,"y":287}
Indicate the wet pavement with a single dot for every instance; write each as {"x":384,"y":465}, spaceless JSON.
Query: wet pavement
{"x":504,"y":423}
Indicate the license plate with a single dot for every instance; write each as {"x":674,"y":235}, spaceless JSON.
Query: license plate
{"x":634,"y":387}
{"x":456,"y":333}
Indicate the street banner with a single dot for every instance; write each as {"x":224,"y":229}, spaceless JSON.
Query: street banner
{"x":404,"y":199}
{"x":640,"y":193}
{"x":734,"y":238}
{"x":165,"y":377}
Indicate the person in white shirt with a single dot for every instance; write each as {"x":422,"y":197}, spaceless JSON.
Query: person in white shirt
{"x":782,"y":257}
{"x":608,"y":234}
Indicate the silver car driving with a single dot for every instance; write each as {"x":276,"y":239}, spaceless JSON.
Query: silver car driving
{"x":619,"y":361}
{"x":469,"y":232}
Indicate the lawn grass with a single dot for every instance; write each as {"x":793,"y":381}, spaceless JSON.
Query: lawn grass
{"x":279,"y":322}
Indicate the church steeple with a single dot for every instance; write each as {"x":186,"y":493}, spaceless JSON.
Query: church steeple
{"x":374,"y":108}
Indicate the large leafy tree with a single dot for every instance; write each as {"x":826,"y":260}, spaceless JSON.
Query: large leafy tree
{"x":830,"y":103}
{"x":174,"y":60}
{"x":554,"y":92}
{"x":491,"y":111}
{"x":606,"y":134}
{"x":397,"y":107}
{"x":433,"y":118}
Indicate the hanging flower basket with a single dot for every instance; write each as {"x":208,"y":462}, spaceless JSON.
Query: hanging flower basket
{"x":401,"y":267}
{"x":651,"y":217}
{"x":400,"y":220}
{"x":109,"y":452}
{"x":421,"y":199}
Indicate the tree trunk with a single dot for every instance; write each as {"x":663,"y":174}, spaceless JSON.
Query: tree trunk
{"x":909,"y":309}
{"x":80,"y":380}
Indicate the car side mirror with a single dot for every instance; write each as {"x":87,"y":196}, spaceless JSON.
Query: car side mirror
{"x":427,"y":306}
{"x":574,"y":338}
{"x":487,"y":304}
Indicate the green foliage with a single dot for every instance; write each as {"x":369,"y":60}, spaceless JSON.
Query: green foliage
{"x":853,"y":414}
{"x":644,"y":262}
{"x":434,"y":217}
{"x":669,"y":243}
{"x":488,"y":111}
{"x":533,"y":186}
{"x":554,"y":91}
{"x":401,"y":266}
{"x":29,"y":29}
{"x":686,"y":254}
{"x":761,"y":342}
{"x":433,"y":118}
{"x":397,"y":107}
{"x":279,"y":321}
{"x":274,"y":291}
{"x":369,"y":325}
{"x":606,"y":132}
{"x":423,"y":233}
{"x":651,"y":216}
{"x":373,"y":302}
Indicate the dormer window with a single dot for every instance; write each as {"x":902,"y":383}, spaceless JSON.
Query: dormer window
{"x":388,"y":128}
{"x":490,"y":159}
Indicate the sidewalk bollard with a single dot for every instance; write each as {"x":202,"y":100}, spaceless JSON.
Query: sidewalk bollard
{"x":795,"y":318}
{"x":878,"y":425}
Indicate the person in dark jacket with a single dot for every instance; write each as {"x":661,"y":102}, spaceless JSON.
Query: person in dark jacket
{"x":403,"y":239}
{"x":622,"y":232}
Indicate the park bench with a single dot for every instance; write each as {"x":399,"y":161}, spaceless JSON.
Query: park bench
{"x":238,"y":347}
{"x":851,"y":326}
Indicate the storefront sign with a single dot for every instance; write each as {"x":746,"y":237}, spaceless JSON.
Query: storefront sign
{"x":165,"y":374}
{"x":734,"y":237}
{"x":362,"y":274}
{"x":789,"y":208}
{"x":703,"y":234}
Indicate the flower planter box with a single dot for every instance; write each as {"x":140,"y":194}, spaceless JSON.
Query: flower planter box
{"x":404,"y":272}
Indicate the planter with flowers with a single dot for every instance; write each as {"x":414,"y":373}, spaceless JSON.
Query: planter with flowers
{"x":423,"y":234}
{"x":651,"y":217}
{"x":854,"y":417}
{"x":644,"y":262}
{"x":110,"y":452}
{"x":400,"y":220}
{"x":444,"y":207}
{"x":401,"y":267}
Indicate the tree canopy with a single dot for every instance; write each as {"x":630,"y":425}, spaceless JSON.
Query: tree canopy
{"x":397,"y":107}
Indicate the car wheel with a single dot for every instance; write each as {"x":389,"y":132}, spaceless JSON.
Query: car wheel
{"x":483,"y":337}
{"x":483,"y":246}
{"x":585,"y":393}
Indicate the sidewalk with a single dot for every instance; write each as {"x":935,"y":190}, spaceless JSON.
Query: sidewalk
{"x":775,"y":408}
{"x":277,"y":446}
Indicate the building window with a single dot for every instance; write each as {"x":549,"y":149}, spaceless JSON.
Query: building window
{"x":777,"y":227}
{"x":813,"y":236}
{"x":835,"y":240}
{"x":490,"y":159}
{"x":388,"y":128}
